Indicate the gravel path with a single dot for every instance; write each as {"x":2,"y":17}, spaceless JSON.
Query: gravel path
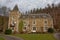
{"x":12,"y":38}
{"x":57,"y":36}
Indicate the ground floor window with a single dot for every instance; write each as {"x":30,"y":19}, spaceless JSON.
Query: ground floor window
{"x":46,"y":28}
{"x":34,"y":28}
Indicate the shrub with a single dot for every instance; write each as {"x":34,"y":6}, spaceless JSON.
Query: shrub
{"x":8,"y":31}
{"x":50,"y":30}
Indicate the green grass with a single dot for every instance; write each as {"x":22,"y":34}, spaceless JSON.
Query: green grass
{"x":36,"y":36}
{"x":1,"y":38}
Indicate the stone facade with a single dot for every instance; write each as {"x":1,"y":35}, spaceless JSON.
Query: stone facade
{"x":37,"y":22}
{"x":31,"y":22}
{"x":14,"y":19}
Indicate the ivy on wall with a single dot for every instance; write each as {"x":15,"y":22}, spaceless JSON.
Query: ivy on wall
{"x":20,"y":26}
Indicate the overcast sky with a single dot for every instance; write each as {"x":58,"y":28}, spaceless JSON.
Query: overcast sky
{"x":25,"y":5}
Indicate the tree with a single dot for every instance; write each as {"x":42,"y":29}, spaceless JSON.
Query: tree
{"x":4,"y":9}
{"x":34,"y":10}
{"x":59,"y":5}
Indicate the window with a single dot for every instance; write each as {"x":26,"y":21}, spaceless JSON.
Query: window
{"x":45,"y":21}
{"x":12,"y":28}
{"x":46,"y":28}
{"x":34,"y":28}
{"x":25,"y":24}
{"x":34,"y":22}
{"x":25,"y":28}
{"x":33,"y":16}
{"x":18,"y":12}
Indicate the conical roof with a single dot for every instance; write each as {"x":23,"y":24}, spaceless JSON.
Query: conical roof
{"x":16,"y":8}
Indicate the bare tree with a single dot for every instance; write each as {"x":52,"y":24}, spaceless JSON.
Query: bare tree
{"x":4,"y":9}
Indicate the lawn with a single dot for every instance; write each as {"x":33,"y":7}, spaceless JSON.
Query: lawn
{"x":36,"y":36}
{"x":1,"y":38}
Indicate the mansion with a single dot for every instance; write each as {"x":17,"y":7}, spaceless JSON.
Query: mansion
{"x":38,"y":22}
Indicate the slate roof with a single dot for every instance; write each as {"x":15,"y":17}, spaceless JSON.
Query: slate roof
{"x":41,"y":15}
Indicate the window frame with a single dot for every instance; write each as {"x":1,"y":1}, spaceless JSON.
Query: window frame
{"x":34,"y":28}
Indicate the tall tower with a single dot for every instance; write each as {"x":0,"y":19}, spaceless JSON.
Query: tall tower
{"x":14,"y":19}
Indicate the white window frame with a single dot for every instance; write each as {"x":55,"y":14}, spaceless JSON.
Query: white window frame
{"x":34,"y":27}
{"x":34,"y":30}
{"x":45,"y":28}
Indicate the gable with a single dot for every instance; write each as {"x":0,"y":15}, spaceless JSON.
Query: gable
{"x":15,"y":8}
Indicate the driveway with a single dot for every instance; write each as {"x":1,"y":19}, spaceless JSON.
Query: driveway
{"x":57,"y":36}
{"x":7,"y":37}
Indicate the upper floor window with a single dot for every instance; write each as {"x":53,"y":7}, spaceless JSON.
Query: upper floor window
{"x":33,"y":16}
{"x":34,"y":22}
{"x":46,"y":27}
{"x":45,"y":21}
{"x":26,"y":23}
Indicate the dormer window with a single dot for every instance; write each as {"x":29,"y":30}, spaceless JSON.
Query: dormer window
{"x":33,"y":16}
{"x":26,"y":23}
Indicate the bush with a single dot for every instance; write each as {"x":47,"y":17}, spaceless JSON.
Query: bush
{"x":8,"y":31}
{"x":50,"y":30}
